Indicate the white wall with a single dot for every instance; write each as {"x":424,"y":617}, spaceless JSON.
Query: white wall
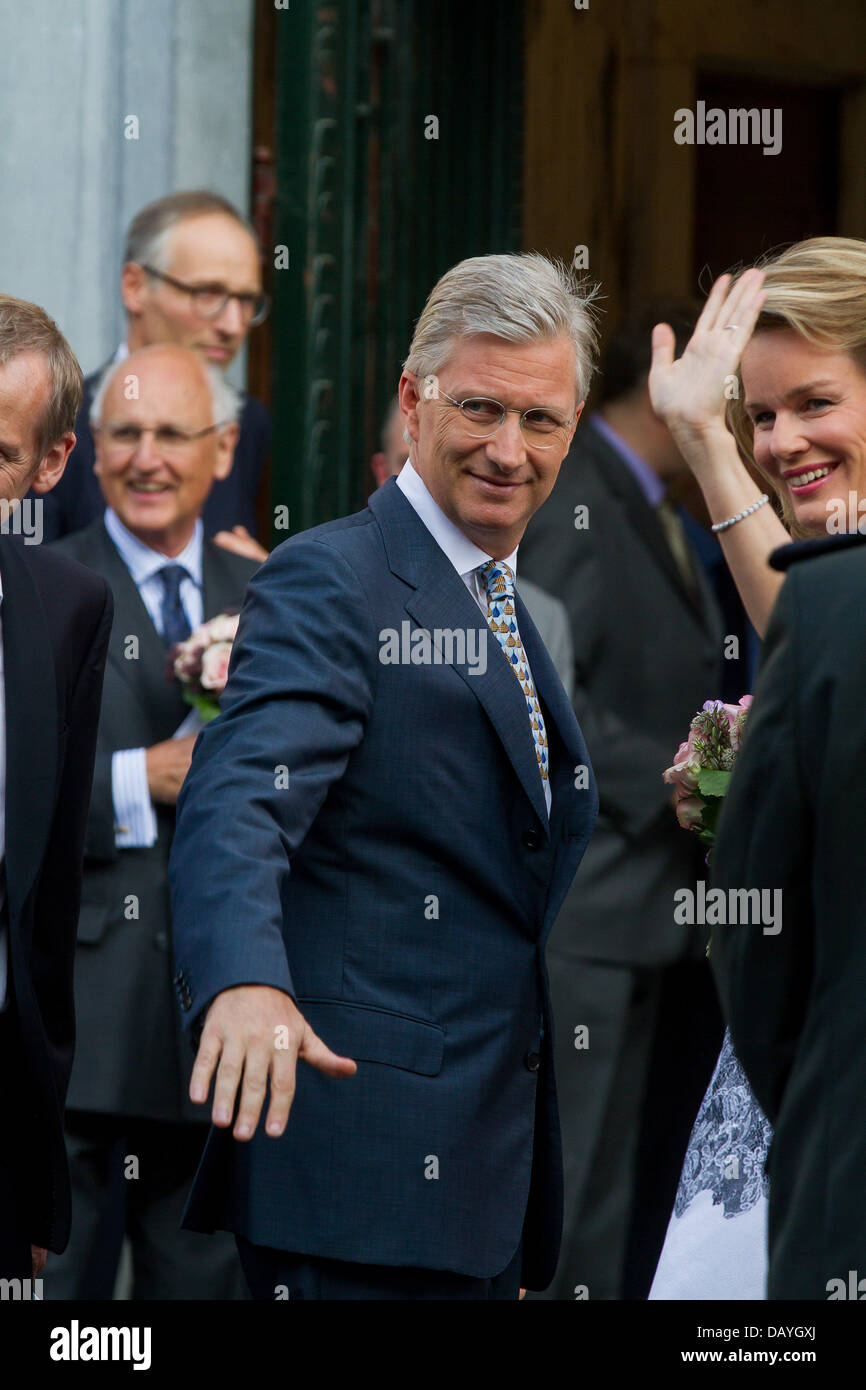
{"x":70,"y":72}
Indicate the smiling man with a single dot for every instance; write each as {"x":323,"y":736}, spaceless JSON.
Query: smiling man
{"x":159,"y":448}
{"x":191,"y":276}
{"x":369,"y":856}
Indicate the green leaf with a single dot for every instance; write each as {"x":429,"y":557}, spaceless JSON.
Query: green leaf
{"x":207,"y":707}
{"x":712,"y":782}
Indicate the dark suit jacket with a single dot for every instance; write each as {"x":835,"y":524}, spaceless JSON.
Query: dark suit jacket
{"x":77,"y":499}
{"x":646,"y":659}
{"x":56,"y":619}
{"x":401,"y":889}
{"x":795,"y":819}
{"x":130,"y":1057}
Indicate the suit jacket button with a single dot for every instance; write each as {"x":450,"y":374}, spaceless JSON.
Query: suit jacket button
{"x":161,"y":940}
{"x":532,"y":1061}
{"x":530,"y":839}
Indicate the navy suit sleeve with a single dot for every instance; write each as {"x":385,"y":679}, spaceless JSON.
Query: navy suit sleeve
{"x":299,"y":694}
{"x":764,"y":841}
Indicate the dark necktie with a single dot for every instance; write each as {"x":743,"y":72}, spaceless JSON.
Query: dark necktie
{"x":678,"y":543}
{"x":175,"y":623}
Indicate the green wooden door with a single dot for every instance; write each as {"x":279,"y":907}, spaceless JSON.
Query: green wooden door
{"x":398,"y":152}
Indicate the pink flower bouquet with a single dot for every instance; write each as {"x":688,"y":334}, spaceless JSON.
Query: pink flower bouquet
{"x":201,"y":663}
{"x":702,"y":768}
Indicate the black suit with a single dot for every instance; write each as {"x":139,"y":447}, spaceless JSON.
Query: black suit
{"x":56,"y":618}
{"x":77,"y":499}
{"x":795,"y":820}
{"x":647,"y":654}
{"x":132,"y":1068}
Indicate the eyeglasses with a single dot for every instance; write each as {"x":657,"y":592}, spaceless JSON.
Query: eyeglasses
{"x":173,"y":442}
{"x":210,"y":300}
{"x":541,"y":428}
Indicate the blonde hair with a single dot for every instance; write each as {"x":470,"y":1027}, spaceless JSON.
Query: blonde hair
{"x":520,"y":298}
{"x":818,"y":289}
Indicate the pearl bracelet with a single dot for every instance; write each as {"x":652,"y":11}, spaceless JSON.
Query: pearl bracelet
{"x":723,"y":525}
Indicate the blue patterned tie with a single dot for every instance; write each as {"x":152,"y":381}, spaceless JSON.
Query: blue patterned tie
{"x":498,"y":580}
{"x":175,"y":623}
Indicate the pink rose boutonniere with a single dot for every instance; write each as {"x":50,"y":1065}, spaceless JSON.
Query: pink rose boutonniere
{"x":702,"y":768}
{"x":201,"y":663}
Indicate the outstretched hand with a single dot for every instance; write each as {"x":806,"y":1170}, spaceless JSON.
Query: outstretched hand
{"x":689,"y":393}
{"x":254,"y":1035}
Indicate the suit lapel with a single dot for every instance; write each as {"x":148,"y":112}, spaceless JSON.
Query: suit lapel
{"x":31,"y":724}
{"x":442,"y":601}
{"x":645,"y":523}
{"x":141,"y":663}
{"x":219,"y":588}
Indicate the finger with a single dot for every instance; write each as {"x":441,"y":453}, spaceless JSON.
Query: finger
{"x":283,"y":1072}
{"x":242,"y":532}
{"x":740,"y":303}
{"x":711,"y":311}
{"x":316,"y":1054}
{"x":208,"y":1055}
{"x":663,"y":346}
{"x":255,"y":1083}
{"x":227,"y":1081}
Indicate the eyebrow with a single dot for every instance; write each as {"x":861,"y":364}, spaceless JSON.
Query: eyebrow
{"x":805,"y":389}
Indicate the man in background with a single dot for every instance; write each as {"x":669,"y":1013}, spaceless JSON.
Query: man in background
{"x":648,"y":641}
{"x":55,"y":618}
{"x":191,"y":276}
{"x":157,"y":457}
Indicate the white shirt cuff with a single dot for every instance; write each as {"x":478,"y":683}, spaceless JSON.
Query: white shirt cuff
{"x":134,"y":816}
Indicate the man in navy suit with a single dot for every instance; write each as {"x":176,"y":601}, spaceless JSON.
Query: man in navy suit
{"x":191,"y":276}
{"x":376,"y":835}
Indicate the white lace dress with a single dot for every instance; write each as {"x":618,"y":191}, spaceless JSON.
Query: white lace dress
{"x":716,"y":1242}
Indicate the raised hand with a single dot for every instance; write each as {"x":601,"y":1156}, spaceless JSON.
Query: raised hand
{"x":689,"y":393}
{"x":253,"y":1036}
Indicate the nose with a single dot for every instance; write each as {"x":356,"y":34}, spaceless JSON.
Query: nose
{"x":507,"y":447}
{"x":146,"y":453}
{"x":787,"y":439}
{"x":231,"y":320}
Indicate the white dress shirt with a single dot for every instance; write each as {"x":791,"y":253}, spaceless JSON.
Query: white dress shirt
{"x":464,"y":554}
{"x":134,"y":814}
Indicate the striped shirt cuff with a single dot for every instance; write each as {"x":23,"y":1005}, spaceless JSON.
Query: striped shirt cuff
{"x":134,"y":816}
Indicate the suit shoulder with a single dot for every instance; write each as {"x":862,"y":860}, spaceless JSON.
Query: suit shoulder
{"x":824,"y":547}
{"x":238,"y":567}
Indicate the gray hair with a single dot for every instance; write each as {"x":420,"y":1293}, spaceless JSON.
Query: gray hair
{"x":25,"y":327}
{"x":520,"y":298}
{"x":149,"y":232}
{"x":225,"y":400}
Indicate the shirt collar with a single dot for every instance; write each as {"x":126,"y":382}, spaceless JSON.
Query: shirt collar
{"x":463,"y":553}
{"x":649,"y":482}
{"x":143,"y":561}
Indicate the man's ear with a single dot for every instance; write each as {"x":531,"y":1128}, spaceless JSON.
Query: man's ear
{"x":227,"y":439}
{"x":577,"y":415}
{"x":408,"y":396}
{"x":379,"y":465}
{"x":51,"y":469}
{"x":133,"y":287}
